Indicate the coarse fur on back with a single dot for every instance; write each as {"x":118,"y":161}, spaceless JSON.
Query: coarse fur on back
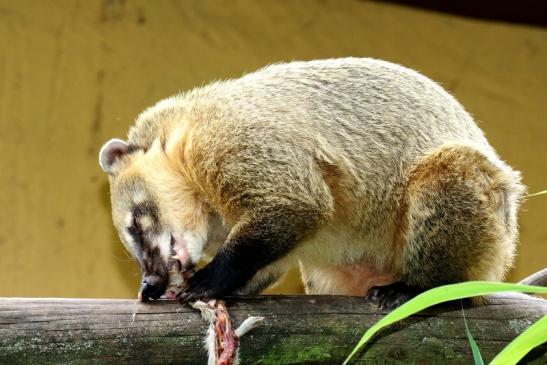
{"x":362,"y":172}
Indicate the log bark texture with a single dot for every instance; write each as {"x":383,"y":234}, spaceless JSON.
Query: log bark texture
{"x":297,"y":330}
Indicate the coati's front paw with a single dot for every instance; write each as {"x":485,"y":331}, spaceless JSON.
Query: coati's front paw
{"x":208,"y":283}
{"x":201,"y":286}
{"x":391,"y":296}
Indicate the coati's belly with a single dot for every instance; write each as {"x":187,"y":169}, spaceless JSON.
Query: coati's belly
{"x":355,"y":279}
{"x":339,"y":261}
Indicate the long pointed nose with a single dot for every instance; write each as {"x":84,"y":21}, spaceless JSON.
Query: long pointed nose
{"x":152,"y":287}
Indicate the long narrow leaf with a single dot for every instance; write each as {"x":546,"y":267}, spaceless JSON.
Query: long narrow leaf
{"x":439,"y":295}
{"x":538,"y":193}
{"x":474,"y":348}
{"x":534,"y":336}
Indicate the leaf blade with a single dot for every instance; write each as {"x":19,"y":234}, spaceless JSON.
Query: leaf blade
{"x":538,"y":193}
{"x":532,"y":337}
{"x":477,"y":357}
{"x":439,"y":295}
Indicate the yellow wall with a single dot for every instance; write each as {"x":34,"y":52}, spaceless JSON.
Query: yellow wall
{"x":75,"y":73}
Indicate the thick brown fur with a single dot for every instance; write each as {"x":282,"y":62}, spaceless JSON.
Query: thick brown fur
{"x":361,"y":172}
{"x":456,"y":224}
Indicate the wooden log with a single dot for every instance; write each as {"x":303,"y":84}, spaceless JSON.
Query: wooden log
{"x":297,"y":330}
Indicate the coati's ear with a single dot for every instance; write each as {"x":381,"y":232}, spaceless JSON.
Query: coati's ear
{"x":110,"y":152}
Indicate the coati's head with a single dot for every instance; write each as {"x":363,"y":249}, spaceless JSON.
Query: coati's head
{"x":158,"y":216}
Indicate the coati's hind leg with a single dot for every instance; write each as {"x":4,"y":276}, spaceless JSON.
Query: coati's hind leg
{"x":458,"y":222}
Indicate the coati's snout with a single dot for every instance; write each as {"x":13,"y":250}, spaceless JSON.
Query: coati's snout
{"x":152,"y":287}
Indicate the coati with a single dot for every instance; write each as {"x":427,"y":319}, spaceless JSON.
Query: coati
{"x":368,"y":175}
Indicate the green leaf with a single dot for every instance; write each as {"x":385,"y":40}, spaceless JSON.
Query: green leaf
{"x":538,"y":193}
{"x":439,"y":295}
{"x":474,"y":348}
{"x":534,"y":336}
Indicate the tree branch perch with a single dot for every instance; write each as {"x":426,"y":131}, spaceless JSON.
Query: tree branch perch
{"x":296,"y":330}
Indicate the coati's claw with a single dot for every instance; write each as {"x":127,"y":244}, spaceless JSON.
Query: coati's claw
{"x":391,"y":296}
{"x":193,"y":294}
{"x":186,"y":297}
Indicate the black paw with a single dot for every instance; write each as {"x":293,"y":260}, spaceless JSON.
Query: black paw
{"x":203,"y":285}
{"x":391,"y":296}
{"x":214,"y":281}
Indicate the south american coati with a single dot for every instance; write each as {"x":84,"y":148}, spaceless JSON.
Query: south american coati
{"x":368,"y":175}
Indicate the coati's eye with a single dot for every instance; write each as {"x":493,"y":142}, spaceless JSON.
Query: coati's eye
{"x":136,"y":232}
{"x":136,"y":225}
